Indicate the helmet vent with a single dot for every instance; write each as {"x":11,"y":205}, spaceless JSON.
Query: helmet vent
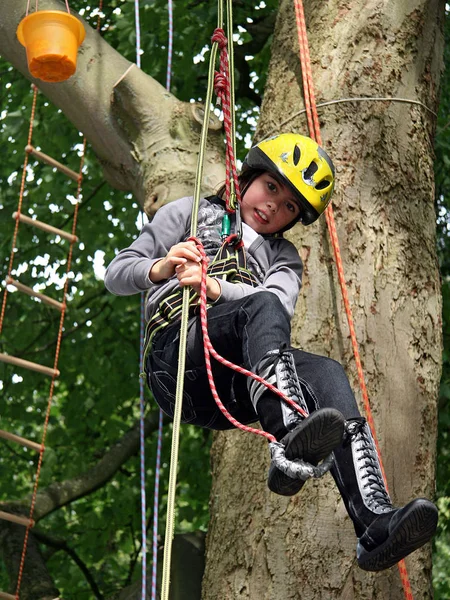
{"x":322,"y":184}
{"x":309,"y":172}
{"x":296,"y":155}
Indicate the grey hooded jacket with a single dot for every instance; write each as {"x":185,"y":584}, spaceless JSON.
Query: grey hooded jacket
{"x":273,"y":260}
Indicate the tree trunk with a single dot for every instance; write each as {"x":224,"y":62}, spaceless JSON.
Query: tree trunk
{"x":261,"y":546}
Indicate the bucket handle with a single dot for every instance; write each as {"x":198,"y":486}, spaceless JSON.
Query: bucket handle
{"x":36,"y":6}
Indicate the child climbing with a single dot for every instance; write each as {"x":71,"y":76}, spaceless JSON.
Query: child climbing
{"x":252,"y":293}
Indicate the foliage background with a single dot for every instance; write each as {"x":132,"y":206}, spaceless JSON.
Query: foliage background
{"x":441,"y":558}
{"x":97,"y":397}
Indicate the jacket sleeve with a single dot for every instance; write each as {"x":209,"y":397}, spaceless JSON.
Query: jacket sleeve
{"x":283,"y":277}
{"x":128,"y":272}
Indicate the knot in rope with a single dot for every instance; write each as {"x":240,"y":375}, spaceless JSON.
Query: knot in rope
{"x":220,"y":38}
{"x":220,"y":84}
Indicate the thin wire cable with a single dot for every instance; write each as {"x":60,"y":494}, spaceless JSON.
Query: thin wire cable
{"x":349,"y":100}
{"x":138,"y":33}
{"x":142,"y":457}
{"x":160,"y":420}
{"x":170,"y":46}
{"x":156,"y":506}
{"x":329,"y":215}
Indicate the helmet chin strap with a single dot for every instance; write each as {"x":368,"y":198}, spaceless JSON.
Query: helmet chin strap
{"x":249,"y":182}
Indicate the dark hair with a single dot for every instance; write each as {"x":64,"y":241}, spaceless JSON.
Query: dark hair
{"x":248,"y":175}
{"x":245,"y":179}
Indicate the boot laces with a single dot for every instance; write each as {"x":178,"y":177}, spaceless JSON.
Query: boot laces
{"x":368,"y":464}
{"x":289,"y":377}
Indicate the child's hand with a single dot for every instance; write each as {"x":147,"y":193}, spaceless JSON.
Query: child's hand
{"x":190,"y":273}
{"x":178,"y":255}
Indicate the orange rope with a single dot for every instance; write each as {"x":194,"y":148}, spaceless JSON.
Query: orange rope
{"x":314,"y":131}
{"x":19,"y":207}
{"x":61,"y":323}
{"x":55,"y":366}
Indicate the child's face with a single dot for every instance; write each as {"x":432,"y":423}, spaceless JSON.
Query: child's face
{"x":268,"y":206}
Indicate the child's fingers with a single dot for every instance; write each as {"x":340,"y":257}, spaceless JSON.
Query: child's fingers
{"x":189,"y":274}
{"x":187,"y":250}
{"x":177,"y":260}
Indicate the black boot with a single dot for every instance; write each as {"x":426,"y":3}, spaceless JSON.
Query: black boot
{"x":311,"y":439}
{"x":385,"y":534}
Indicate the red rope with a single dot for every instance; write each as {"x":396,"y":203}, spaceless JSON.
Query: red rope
{"x":210,"y":351}
{"x":314,"y":131}
{"x":222,"y":89}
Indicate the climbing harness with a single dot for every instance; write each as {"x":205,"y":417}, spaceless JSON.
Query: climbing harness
{"x":229,"y":264}
{"x":314,"y":131}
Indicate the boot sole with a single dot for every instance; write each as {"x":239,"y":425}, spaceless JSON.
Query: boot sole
{"x":313,"y":440}
{"x":415,"y":529}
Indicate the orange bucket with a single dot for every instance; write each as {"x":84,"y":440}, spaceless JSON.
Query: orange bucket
{"x":51,"y":38}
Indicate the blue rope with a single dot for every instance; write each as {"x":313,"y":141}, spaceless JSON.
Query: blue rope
{"x":141,"y":382}
{"x":160,"y":424}
{"x":142,"y":455}
{"x":138,"y":33}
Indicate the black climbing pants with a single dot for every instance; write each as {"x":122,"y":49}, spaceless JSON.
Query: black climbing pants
{"x":242,"y":331}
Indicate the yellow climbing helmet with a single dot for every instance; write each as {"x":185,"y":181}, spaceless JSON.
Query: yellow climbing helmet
{"x":303,"y":166}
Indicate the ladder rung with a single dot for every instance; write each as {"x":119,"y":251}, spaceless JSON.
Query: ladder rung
{"x":30,"y":292}
{"x":48,"y":160}
{"x":20,"y":362}
{"x":5,"y":596}
{"x":25,"y":521}
{"x":20,"y":440}
{"x":45,"y":227}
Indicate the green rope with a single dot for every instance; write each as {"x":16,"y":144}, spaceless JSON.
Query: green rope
{"x":232,"y":104}
{"x":183,"y":331}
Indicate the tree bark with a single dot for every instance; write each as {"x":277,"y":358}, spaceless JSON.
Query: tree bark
{"x":261,"y":546}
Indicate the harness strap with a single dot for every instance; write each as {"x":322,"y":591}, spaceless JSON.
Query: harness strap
{"x":229,"y":264}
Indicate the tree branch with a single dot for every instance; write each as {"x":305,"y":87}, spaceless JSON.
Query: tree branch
{"x":137,"y":129}
{"x":62,"y":493}
{"x":61,"y":544}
